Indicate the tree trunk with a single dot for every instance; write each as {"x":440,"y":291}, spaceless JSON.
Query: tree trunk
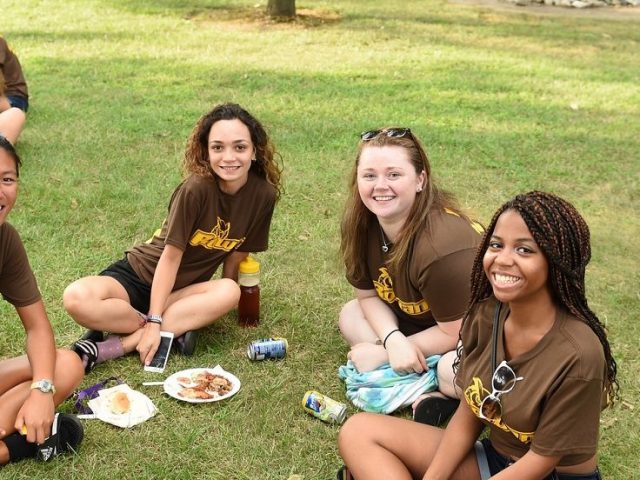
{"x":281,"y":8}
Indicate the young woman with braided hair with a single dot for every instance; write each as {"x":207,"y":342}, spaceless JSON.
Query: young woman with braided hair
{"x":534,"y":365}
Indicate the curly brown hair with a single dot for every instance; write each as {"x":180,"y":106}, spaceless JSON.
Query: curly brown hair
{"x":196,"y":157}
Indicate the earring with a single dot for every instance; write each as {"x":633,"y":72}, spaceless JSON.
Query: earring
{"x":419,"y":189}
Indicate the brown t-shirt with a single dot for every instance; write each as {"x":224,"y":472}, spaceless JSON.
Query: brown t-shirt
{"x":207,"y":225}
{"x":435,"y":286}
{"x":17,"y":282}
{"x":15,"y":83}
{"x":555,"y":408}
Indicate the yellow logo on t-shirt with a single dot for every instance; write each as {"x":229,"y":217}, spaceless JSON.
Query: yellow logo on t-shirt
{"x":216,"y":238}
{"x":475,"y":225}
{"x":475,"y":393}
{"x":384,"y":289}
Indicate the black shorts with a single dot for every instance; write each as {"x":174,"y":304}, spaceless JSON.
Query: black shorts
{"x":491,"y":463}
{"x":138,"y":290}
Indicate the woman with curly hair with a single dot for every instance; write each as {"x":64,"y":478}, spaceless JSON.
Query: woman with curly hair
{"x":535,"y":366}
{"x":219,"y":213}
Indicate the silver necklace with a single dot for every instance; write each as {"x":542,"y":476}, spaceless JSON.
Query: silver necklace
{"x":385,"y":245}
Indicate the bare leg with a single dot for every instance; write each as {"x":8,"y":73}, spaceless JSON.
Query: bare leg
{"x":11,"y":123}
{"x":354,"y":326}
{"x":199,"y":305}
{"x":101,"y":303}
{"x":382,"y":447}
{"x":446,"y":375}
{"x":15,"y":383}
{"x":192,"y":308}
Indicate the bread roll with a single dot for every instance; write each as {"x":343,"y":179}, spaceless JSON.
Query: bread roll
{"x":120,"y":403}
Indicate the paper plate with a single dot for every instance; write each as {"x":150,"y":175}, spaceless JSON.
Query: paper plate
{"x":172,"y":387}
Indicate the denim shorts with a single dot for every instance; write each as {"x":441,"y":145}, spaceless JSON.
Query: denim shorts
{"x":139,"y":291}
{"x":18,"y":102}
{"x":491,"y":463}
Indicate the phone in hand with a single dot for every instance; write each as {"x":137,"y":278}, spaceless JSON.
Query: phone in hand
{"x":159,"y":360}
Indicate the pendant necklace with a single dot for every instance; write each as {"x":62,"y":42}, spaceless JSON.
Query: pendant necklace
{"x":385,"y":245}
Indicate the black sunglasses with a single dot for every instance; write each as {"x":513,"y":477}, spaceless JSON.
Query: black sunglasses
{"x":503,"y":381}
{"x":389,"y":132}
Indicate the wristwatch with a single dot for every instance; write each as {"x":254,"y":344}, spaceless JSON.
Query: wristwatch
{"x":44,"y":385}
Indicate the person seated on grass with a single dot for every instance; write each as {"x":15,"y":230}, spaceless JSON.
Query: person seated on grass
{"x":408,"y":251}
{"x":219,"y":213}
{"x":32,"y":385}
{"x":535,"y":366}
{"x":14,"y":96}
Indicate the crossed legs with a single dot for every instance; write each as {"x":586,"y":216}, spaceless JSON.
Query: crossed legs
{"x":377,"y":446}
{"x":102,"y":303}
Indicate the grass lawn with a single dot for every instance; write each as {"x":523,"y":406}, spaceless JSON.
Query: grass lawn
{"x":505,"y":102}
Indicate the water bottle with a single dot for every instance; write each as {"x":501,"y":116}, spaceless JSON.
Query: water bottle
{"x":249,"y":304}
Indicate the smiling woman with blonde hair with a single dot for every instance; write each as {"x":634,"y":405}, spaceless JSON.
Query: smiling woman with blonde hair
{"x":408,"y":250}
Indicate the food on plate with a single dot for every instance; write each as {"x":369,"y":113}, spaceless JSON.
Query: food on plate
{"x":120,"y":403}
{"x":204,"y":385}
{"x":194,"y":393}
{"x":184,"y":381}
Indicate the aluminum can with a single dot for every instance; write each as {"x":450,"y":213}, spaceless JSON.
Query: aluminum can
{"x":267,"y":348}
{"x":323,"y":407}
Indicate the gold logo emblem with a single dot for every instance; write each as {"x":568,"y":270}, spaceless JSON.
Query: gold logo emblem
{"x":217,"y":238}
{"x":384,"y":289}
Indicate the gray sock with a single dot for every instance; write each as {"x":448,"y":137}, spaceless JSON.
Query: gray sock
{"x":109,"y":349}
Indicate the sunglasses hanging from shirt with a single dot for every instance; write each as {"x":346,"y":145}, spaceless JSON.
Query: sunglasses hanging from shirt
{"x":503,"y":379}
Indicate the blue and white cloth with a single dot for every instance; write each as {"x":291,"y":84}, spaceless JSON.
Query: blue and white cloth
{"x":383,"y":390}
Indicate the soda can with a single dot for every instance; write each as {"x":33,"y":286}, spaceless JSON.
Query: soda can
{"x":267,"y":348}
{"x":323,"y":407}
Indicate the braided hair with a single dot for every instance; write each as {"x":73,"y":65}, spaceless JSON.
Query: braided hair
{"x":563,"y":236}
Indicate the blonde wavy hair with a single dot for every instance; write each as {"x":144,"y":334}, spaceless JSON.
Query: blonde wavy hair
{"x":357,"y":217}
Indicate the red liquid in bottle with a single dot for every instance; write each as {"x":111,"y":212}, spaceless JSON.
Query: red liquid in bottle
{"x":249,"y":306}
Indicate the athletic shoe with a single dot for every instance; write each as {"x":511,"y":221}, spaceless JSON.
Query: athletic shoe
{"x":66,"y":435}
{"x":435,"y":410}
{"x":94,"y":335}
{"x":186,"y":344}
{"x":87,"y":350}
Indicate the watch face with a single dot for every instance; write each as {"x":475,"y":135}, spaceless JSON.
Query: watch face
{"x":44,"y":386}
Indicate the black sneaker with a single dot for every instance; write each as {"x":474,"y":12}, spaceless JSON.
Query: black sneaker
{"x":435,"y":410}
{"x":66,"y":435}
{"x":94,"y":335}
{"x":186,"y":344}
{"x":87,"y":350}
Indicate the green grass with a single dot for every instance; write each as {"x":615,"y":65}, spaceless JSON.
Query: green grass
{"x":505,"y":102}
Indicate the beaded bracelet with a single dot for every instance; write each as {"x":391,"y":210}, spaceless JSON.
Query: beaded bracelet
{"x":384,"y":342}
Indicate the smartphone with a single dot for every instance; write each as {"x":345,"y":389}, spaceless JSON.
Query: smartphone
{"x":162,"y":354}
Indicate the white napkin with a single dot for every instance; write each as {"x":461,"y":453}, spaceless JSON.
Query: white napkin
{"x":142,"y":408}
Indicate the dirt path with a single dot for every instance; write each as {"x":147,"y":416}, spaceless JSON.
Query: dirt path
{"x":607,"y":13}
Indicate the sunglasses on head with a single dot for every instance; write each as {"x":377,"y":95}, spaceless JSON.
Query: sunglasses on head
{"x":503,"y":381}
{"x":389,"y":132}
